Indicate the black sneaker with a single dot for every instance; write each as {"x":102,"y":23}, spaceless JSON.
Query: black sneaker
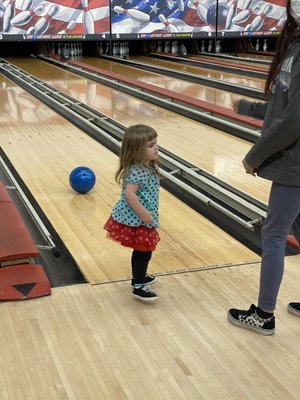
{"x":144,"y":293}
{"x":149,"y":280}
{"x":294,"y":308}
{"x":250,"y":320}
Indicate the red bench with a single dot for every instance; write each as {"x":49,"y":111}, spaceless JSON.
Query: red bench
{"x":16,"y":245}
{"x":20,"y":277}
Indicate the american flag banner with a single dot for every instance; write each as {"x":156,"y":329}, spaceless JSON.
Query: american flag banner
{"x":255,"y":15}
{"x":180,"y":16}
{"x":38,"y":17}
{"x":155,"y":16}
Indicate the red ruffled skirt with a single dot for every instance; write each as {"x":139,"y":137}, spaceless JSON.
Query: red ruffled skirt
{"x":137,"y":237}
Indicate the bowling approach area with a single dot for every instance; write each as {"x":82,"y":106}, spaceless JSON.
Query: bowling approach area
{"x":94,"y":340}
{"x":72,"y":79}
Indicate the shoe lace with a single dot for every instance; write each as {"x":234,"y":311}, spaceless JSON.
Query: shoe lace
{"x":251,"y":311}
{"x":146,"y":289}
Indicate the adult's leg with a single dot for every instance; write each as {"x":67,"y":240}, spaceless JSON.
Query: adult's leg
{"x":139,"y":262}
{"x":283,"y":209}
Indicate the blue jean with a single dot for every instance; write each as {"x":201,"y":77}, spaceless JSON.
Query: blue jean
{"x":283,"y":217}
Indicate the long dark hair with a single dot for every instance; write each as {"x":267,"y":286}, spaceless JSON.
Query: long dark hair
{"x":285,"y":39}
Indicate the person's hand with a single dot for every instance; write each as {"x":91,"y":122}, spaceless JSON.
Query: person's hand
{"x":146,"y":217}
{"x":249,"y":170}
{"x":235,"y":105}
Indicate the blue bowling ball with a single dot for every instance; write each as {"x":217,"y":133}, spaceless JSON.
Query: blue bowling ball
{"x":222,"y":14}
{"x":82,"y":179}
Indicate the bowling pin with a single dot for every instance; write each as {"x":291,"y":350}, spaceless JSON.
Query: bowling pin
{"x":279,"y":25}
{"x":135,"y":15}
{"x":69,"y":27}
{"x":169,"y":4}
{"x":181,"y":5}
{"x":169,"y":27}
{"x":27,"y":5}
{"x":202,"y":46}
{"x":257,"y":45}
{"x":25,"y":16}
{"x":247,"y":4}
{"x":114,"y":49}
{"x":265,"y":45}
{"x":258,"y":21}
{"x":8,"y":14}
{"x":87,"y":18}
{"x":201,"y":10}
{"x":43,"y":23}
{"x":174,"y":48}
{"x":244,"y":15}
{"x":72,"y":51}
{"x":31,"y":31}
{"x":230,"y":14}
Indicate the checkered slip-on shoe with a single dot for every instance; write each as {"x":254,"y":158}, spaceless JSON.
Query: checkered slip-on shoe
{"x":294,"y":308}
{"x":250,"y":320}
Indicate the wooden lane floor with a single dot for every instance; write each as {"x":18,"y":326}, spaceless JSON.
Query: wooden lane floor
{"x":259,"y":56}
{"x":98,"y":343}
{"x":210,"y":149}
{"x":239,"y":62}
{"x":201,"y":92}
{"x":46,"y":150}
{"x":250,"y":82}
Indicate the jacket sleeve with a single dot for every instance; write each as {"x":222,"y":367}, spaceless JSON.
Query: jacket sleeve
{"x":284,"y":130}
{"x":252,"y":108}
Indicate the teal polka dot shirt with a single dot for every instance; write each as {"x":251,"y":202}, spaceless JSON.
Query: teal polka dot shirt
{"x":148,"y":195}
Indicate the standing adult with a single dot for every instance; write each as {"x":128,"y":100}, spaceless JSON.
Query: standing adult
{"x":276,"y":157}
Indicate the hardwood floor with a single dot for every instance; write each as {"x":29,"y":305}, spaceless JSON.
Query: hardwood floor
{"x":98,"y":342}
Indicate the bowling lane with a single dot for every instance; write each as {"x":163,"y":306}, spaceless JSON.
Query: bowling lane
{"x":210,"y":73}
{"x":213,"y":150}
{"x":232,"y":62}
{"x":259,"y":56}
{"x":200,"y":92}
{"x":45,"y":148}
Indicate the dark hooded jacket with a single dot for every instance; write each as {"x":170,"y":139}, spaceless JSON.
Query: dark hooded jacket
{"x":276,"y":154}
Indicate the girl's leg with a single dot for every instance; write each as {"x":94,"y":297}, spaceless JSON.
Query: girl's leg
{"x":283,"y":209}
{"x":139,"y":263}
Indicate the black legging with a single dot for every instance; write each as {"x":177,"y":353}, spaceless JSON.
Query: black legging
{"x":139,"y":264}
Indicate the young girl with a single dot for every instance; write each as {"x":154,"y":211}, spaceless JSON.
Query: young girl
{"x":276,"y":157}
{"x":134,"y":218}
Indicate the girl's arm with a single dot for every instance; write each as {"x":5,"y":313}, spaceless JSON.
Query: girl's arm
{"x":134,"y":203}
